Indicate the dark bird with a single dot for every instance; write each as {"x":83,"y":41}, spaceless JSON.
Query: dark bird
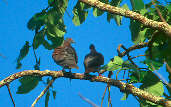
{"x":65,"y":55}
{"x":93,"y":60}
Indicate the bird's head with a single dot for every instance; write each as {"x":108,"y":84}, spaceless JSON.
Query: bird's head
{"x":69,"y":40}
{"x":92,"y":47}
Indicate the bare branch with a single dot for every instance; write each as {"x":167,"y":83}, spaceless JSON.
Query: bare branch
{"x":124,"y":87}
{"x":162,"y":26}
{"x":129,"y":57}
{"x":134,"y":47}
{"x":43,"y":92}
{"x":137,"y":56}
{"x":87,"y":100}
{"x":10,"y":94}
{"x":103,"y":95}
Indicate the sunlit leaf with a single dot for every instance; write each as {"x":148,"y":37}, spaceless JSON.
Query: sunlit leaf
{"x":156,"y":89}
{"x":54,"y":31}
{"x":37,"y":21}
{"x":114,"y":65}
{"x":97,"y":12}
{"x":125,"y":96}
{"x":110,"y":16}
{"x":79,"y":14}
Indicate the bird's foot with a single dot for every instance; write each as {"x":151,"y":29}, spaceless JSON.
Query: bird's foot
{"x":63,"y":70}
{"x":100,"y":75}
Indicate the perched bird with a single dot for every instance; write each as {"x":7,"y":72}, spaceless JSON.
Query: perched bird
{"x":93,"y":60}
{"x":65,"y":55}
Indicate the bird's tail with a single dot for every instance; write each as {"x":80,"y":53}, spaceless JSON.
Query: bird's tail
{"x":74,"y":66}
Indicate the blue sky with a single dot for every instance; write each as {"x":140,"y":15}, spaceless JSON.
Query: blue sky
{"x":13,"y":34}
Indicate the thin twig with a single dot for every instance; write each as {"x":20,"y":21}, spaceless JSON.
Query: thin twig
{"x":117,"y":74}
{"x":109,"y":97}
{"x":158,"y":12}
{"x":137,"y":56}
{"x":43,"y":92}
{"x":168,"y":67}
{"x":160,"y":76}
{"x":134,"y":47}
{"x":103,"y":96}
{"x":10,"y":94}
{"x":87,"y":100}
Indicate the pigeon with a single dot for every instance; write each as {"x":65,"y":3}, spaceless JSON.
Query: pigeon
{"x":65,"y":55}
{"x":93,"y":60}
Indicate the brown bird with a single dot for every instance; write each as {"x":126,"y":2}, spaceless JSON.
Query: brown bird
{"x":65,"y":55}
{"x":93,"y":60}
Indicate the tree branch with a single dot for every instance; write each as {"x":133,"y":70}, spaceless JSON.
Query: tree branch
{"x":130,"y":14}
{"x":124,"y":87}
{"x":134,"y":47}
{"x":10,"y":94}
{"x":43,"y":92}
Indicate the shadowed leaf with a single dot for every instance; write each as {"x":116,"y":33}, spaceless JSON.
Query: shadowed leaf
{"x":23,"y":52}
{"x":28,"y":83}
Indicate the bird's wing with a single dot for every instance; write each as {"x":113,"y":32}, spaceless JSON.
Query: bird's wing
{"x":59,"y":54}
{"x":71,"y":51}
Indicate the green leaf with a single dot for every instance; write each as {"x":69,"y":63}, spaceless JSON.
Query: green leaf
{"x":97,"y":12}
{"x":47,"y":98}
{"x":19,"y":65}
{"x":137,"y":33}
{"x":37,"y":21}
{"x":50,"y":2}
{"x":156,"y":89}
{"x":115,"y":2}
{"x":28,"y":83}
{"x":156,"y":64}
{"x":54,"y":31}
{"x":115,"y":64}
{"x":23,"y":52}
{"x":125,"y":6}
{"x":112,"y":16}
{"x":125,"y":96}
{"x":79,"y":13}
{"x":54,"y":94}
{"x":38,"y":39}
{"x":118,"y":18}
{"x":55,"y":42}
{"x":146,"y":77}
{"x":137,"y":77}
{"x":137,"y":4}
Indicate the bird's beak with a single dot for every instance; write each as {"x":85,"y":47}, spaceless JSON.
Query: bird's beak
{"x":73,"y":41}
